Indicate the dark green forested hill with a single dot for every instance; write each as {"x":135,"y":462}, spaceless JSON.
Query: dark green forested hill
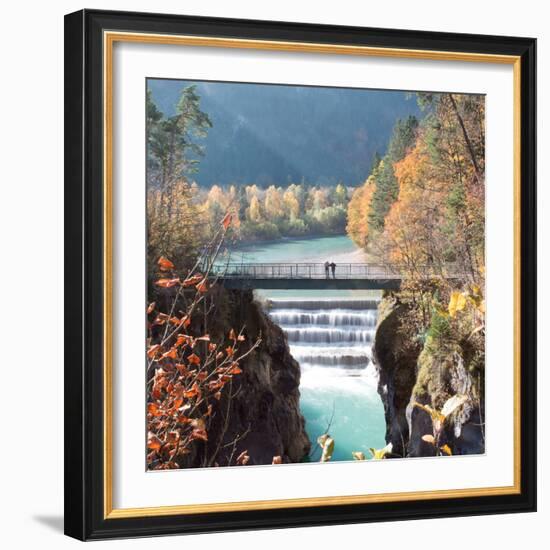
{"x":277,"y":134}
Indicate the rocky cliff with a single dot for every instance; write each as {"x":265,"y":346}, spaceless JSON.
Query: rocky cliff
{"x":428,"y":372}
{"x":395,"y":354}
{"x":260,"y":412}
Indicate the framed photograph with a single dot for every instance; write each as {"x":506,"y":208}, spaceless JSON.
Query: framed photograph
{"x":300,"y":274}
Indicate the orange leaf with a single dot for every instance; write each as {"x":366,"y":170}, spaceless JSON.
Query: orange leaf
{"x":184,"y":339}
{"x":218,"y":395}
{"x":160,"y":319}
{"x":165,"y":264}
{"x":202,"y":287}
{"x":190,"y":281}
{"x":277,"y":460}
{"x":199,"y":434}
{"x":232,"y":335}
{"x":235,"y":369}
{"x":194,"y":359}
{"x":241,"y":338}
{"x":193,"y":392}
{"x":153,"y":350}
{"x":167,"y":283}
{"x":226,"y":222}
{"x":214,"y":385}
{"x":172,"y":354}
{"x":182,"y":369}
{"x":243,"y":458}
{"x":151,"y":307}
{"x":153,"y":442}
{"x":230,"y":351}
{"x":185,"y":321}
{"x":153,"y":409}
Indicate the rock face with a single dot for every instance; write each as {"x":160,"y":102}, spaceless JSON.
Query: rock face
{"x":439,"y":378}
{"x":410,"y":372}
{"x":263,"y":415}
{"x":395,"y":356}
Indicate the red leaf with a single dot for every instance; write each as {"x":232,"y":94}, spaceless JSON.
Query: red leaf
{"x":226,"y":222}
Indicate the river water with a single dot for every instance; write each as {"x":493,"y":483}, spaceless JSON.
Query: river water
{"x":330,"y":334}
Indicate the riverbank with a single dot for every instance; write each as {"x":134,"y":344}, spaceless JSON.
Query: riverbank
{"x":337,"y":249}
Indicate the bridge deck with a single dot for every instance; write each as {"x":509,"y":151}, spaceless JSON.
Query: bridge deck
{"x":312,"y":276}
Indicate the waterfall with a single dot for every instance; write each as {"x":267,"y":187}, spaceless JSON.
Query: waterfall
{"x":330,"y":333}
{"x":331,"y":338}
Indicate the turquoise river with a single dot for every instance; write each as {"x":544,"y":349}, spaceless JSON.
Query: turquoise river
{"x":330,"y":334}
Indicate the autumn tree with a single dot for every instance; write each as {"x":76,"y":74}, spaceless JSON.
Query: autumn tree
{"x":174,"y":146}
{"x":190,"y":372}
{"x":387,"y":187}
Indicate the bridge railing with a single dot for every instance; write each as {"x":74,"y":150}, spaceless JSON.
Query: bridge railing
{"x":318,"y":271}
{"x":307,"y":271}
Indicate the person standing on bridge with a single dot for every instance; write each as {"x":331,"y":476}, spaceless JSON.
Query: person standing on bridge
{"x":333,"y":269}
{"x":327,"y":265}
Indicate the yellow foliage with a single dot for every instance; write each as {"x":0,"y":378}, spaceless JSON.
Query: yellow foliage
{"x":457,"y":302}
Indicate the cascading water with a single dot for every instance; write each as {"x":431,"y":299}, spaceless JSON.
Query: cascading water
{"x":331,"y":339}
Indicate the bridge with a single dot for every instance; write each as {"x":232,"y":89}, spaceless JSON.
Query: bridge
{"x":312,"y":276}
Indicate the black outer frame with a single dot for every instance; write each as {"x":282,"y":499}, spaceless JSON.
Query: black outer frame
{"x":84,"y":518}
